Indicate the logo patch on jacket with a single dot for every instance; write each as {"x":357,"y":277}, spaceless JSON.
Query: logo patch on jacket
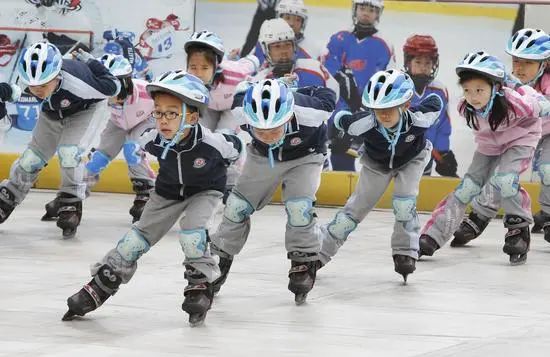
{"x":199,"y":162}
{"x":410,"y":138}
{"x":140,"y":113}
{"x":65,"y":103}
{"x":295,"y":141}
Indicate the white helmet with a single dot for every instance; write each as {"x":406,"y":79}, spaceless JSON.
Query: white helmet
{"x":293,"y":7}
{"x":268,"y":104}
{"x":183,"y":85}
{"x":207,"y":39}
{"x":39,"y":63}
{"x":374,"y":3}
{"x":118,"y":65}
{"x":529,"y":44}
{"x":273,"y":31}
{"x":388,"y":89}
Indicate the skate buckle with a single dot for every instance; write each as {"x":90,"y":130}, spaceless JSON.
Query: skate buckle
{"x":512,"y":232}
{"x":93,"y":294}
{"x":298,"y":269}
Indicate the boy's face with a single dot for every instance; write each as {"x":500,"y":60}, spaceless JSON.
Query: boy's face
{"x":388,"y":117}
{"x":294,"y":21}
{"x":525,"y":70}
{"x":477,"y":92}
{"x":421,"y":65}
{"x":281,"y":52}
{"x":269,"y":136}
{"x":366,"y":14}
{"x":199,"y":66}
{"x":45,"y":90}
{"x":168,"y":115}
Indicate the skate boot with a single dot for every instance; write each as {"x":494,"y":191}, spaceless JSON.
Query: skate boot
{"x":52,"y":210}
{"x":70,"y":214}
{"x":225,"y":265}
{"x":546,"y":229}
{"x":540,"y":219}
{"x":142,"y":190}
{"x":404,"y":265}
{"x":301,"y":276}
{"x":7,"y":203}
{"x":104,"y":284}
{"x":517,"y":240}
{"x":428,"y":245}
{"x":470,"y":228}
{"x":198,"y":296}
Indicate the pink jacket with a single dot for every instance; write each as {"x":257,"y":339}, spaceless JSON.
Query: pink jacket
{"x":136,"y":109}
{"x":234,"y":72}
{"x":543,"y":87}
{"x":524,"y":128}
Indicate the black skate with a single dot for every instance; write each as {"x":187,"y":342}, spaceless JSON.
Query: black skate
{"x":517,"y":240}
{"x":225,"y":266}
{"x":198,"y":300}
{"x":428,"y":245}
{"x":540,"y":219}
{"x":70,"y":214}
{"x":301,"y":277}
{"x":404,"y":265}
{"x":52,"y":210}
{"x":7,"y":203}
{"x":142,"y":190}
{"x":470,"y":228}
{"x":104,"y":284}
{"x":546,"y":229}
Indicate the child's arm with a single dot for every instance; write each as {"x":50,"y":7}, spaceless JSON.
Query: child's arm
{"x":426,"y":113}
{"x":229,"y":146}
{"x":9,"y":92}
{"x":354,"y":124}
{"x":101,"y":81}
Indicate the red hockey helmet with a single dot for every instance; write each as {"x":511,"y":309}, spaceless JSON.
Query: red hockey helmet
{"x":421,"y":45}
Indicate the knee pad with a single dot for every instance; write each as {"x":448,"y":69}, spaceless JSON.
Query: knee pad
{"x":341,"y":226}
{"x":237,"y":209}
{"x":31,"y":162}
{"x":404,"y":208}
{"x":544,"y":174}
{"x":132,"y":153}
{"x":299,"y":211}
{"x":132,"y":246}
{"x":193,"y":242}
{"x":98,"y":162}
{"x":506,"y":183}
{"x":467,"y":190}
{"x":69,"y":156}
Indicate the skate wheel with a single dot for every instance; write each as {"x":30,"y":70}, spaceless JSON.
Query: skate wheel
{"x":518,"y":259}
{"x":300,"y":299}
{"x":69,"y":233}
{"x":196,"y":319}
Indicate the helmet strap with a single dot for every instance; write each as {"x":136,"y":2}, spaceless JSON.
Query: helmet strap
{"x":169,"y":143}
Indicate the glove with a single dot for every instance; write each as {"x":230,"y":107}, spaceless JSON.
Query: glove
{"x":243,"y":87}
{"x":445,"y":164}
{"x":3,"y":111}
{"x":340,"y":142}
{"x":544,"y":104}
{"x":348,"y":88}
{"x":290,"y":80}
{"x":9,"y":92}
{"x":147,"y":137}
{"x":512,"y":81}
{"x":267,"y":4}
{"x":82,"y":56}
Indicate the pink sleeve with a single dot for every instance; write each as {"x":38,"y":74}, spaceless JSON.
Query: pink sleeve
{"x":524,"y":101}
{"x":234,"y":72}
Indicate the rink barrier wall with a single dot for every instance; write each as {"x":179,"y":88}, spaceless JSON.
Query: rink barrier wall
{"x":335,"y":187}
{"x":504,"y":12}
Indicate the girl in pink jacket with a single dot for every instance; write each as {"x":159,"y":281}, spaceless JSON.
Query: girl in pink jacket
{"x":507,"y":129}
{"x":530,"y":51}
{"x":205,"y":59}
{"x":130,"y":117}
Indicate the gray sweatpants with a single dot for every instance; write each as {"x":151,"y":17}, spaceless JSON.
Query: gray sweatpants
{"x":70,"y":137}
{"x":488,"y":203}
{"x":300,"y":180}
{"x":373,"y":182}
{"x":158,"y":217}
{"x":111,"y":142}
{"x":502,"y":173}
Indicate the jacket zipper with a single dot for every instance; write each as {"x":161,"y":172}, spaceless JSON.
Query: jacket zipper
{"x":180,"y":174}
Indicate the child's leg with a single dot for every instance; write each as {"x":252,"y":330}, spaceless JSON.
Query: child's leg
{"x":448,"y":214}
{"x":119,"y":264}
{"x":25,"y":170}
{"x":371,"y":186}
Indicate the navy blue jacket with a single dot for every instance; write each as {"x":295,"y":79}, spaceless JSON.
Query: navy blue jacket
{"x":198,"y":163}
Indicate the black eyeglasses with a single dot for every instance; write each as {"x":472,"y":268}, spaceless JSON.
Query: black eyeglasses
{"x":168,"y":115}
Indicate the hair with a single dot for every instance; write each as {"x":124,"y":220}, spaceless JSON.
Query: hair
{"x":190,"y":108}
{"x":210,"y":56}
{"x":500,"y":111}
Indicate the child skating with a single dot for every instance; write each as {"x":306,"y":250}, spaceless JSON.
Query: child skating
{"x":192,"y":176}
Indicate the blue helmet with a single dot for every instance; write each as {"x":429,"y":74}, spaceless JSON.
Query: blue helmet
{"x":388,"y":89}
{"x":183,"y":85}
{"x":483,"y":63}
{"x":39,"y":63}
{"x":118,"y":65}
{"x":529,"y":44}
{"x":268,"y":104}
{"x":207,"y":39}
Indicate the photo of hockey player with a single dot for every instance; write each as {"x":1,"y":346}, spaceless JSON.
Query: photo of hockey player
{"x":61,"y":6}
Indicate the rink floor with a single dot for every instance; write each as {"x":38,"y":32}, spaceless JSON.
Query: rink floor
{"x":463,"y":302}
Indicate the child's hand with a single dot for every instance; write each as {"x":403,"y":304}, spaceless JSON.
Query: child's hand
{"x":82,"y":55}
{"x":147,"y":137}
{"x":234,"y":54}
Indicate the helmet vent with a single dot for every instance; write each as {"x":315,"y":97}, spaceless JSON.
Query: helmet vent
{"x":277,"y":105}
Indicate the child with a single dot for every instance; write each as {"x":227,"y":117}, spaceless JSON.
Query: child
{"x":421,"y":64}
{"x":395,"y":147}
{"x":69,"y":91}
{"x":288,"y":147}
{"x":507,"y":128}
{"x":130,"y":117}
{"x":530,"y":51}
{"x":352,"y":57}
{"x":191,"y":180}
{"x":205,"y":59}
